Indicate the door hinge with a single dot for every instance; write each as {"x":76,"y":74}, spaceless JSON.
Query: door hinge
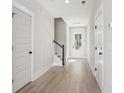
{"x":13,"y":14}
{"x":95,"y":26}
{"x":12,"y":81}
{"x":95,"y":69}
{"x":12,"y":48}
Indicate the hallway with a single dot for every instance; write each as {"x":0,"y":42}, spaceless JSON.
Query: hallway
{"x":74,"y":77}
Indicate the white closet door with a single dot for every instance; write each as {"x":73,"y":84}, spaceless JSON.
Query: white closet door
{"x":99,"y":42}
{"x":21,"y":24}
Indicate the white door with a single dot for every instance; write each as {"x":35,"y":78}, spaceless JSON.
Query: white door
{"x":99,"y":41}
{"x":21,"y":40}
{"x":78,"y":42}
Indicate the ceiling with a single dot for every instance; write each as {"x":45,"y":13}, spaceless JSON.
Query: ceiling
{"x":74,"y":13}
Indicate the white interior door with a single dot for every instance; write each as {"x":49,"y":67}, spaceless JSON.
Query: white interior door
{"x":78,"y":34}
{"x":21,"y":41}
{"x":99,"y":42}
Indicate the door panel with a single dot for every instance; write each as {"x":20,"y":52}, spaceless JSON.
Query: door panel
{"x":21,"y":30}
{"x":99,"y":42}
{"x":81,"y":51}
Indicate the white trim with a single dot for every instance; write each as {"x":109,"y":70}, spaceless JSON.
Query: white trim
{"x":77,"y":58}
{"x":71,"y":27}
{"x":98,"y":10}
{"x":69,"y":34}
{"x":41,"y":72}
{"x":67,"y":42}
{"x":32,"y":48}
{"x":22,"y":8}
{"x":27,"y":11}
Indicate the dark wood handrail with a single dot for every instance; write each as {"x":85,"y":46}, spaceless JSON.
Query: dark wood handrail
{"x":57,"y":43}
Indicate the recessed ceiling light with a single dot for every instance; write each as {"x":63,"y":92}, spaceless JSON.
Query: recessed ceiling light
{"x":67,"y":1}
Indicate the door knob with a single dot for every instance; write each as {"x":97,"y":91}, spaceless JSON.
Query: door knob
{"x":30,"y":52}
{"x":100,"y":53}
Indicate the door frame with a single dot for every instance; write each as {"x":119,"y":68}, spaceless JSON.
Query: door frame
{"x":99,"y":9}
{"x":69,"y":49}
{"x":27,"y":11}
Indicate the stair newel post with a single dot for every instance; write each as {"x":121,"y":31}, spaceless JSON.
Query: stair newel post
{"x":63,"y":54}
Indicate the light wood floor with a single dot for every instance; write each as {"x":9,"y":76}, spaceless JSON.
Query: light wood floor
{"x":74,"y":77}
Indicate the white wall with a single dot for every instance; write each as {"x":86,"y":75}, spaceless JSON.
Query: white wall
{"x":67,"y":41}
{"x":107,"y":46}
{"x":43,"y":37}
{"x":91,"y":36}
{"x":60,"y":33}
{"x":91,"y":40}
{"x":91,"y":44}
{"x":107,"y":8}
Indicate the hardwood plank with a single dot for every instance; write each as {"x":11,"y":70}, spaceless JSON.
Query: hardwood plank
{"x":74,"y":77}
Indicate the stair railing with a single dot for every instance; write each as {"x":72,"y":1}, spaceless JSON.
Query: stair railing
{"x":59,"y":50}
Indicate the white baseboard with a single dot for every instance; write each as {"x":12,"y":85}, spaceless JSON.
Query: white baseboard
{"x":40,"y":73}
{"x":92,"y":68}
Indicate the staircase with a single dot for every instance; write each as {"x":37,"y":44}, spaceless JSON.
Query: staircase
{"x":58,"y":54}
